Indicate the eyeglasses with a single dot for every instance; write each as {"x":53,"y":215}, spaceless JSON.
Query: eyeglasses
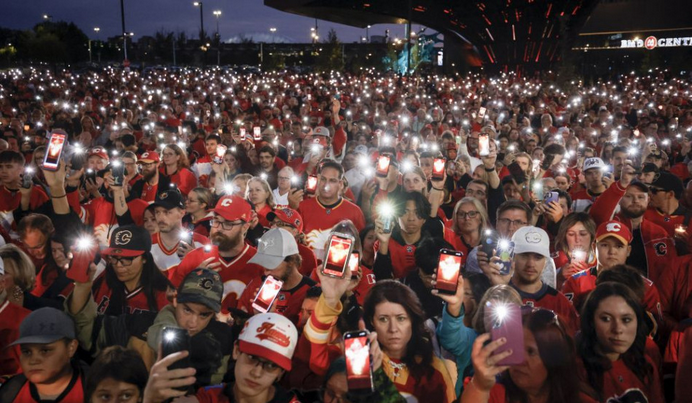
{"x":654,"y":190}
{"x":331,"y":397}
{"x":225,"y":225}
{"x":508,"y":222}
{"x":267,"y":366}
{"x":284,"y":178}
{"x":467,"y":214}
{"x":122,"y":261}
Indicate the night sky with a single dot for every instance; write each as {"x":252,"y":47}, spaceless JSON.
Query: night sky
{"x":146,"y":17}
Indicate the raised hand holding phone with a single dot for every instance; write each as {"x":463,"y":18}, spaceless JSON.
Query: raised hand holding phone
{"x":83,"y":255}
{"x":454,"y":301}
{"x":163,"y":381}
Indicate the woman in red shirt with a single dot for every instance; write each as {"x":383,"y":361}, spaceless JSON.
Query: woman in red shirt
{"x":469,"y":221}
{"x":260,"y":195}
{"x":176,"y":166}
{"x":197,"y":206}
{"x":612,"y":347}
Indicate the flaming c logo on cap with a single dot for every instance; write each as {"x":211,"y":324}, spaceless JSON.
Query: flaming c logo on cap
{"x":123,"y":238}
{"x":163,"y":195}
{"x":613,"y":227}
{"x":266,"y":331}
{"x":533,"y":237}
{"x":226,"y":202}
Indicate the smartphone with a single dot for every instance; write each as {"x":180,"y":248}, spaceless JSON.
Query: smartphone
{"x":447,"y":273}
{"x":438,"y":172}
{"x":242,"y":134}
{"x":90,"y":174}
{"x":295,"y":182}
{"x":28,"y":178}
{"x":505,"y":251}
{"x":505,"y":321}
{"x":220,"y":152}
{"x":311,"y":185}
{"x":481,"y":112}
{"x":354,"y":263}
{"x":536,"y":166}
{"x":118,"y":172}
{"x":257,"y":133}
{"x":387,"y":224}
{"x":186,"y":236}
{"x":551,"y":197}
{"x":27,"y":128}
{"x":517,"y":173}
{"x":83,"y":255}
{"x":483,"y":145}
{"x":174,"y":340}
{"x":358,"y":365}
{"x":267,"y":294}
{"x":489,"y":242}
{"x":383,"y":166}
{"x":338,"y":252}
{"x":55,"y":146}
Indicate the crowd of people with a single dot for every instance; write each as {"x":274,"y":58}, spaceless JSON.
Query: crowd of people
{"x":137,"y":257}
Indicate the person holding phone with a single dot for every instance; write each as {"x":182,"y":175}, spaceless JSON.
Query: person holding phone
{"x":11,"y":170}
{"x":202,"y":167}
{"x":151,"y":179}
{"x":262,"y":355}
{"x":279,"y":257}
{"x":260,"y":195}
{"x":176,"y":168}
{"x":531,"y":253}
{"x":469,"y":220}
{"x":197,"y":206}
{"x":611,"y":346}
{"x":546,"y":374}
{"x":575,"y":246}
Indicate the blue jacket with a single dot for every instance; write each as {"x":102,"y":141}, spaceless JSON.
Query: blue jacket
{"x":458,"y":340}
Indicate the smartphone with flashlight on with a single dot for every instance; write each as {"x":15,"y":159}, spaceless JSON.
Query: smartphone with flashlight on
{"x":337,"y":256}
{"x":242,"y":134}
{"x":84,"y":254}
{"x":56,"y":144}
{"x":220,"y":153}
{"x":383,"y":166}
{"x":483,"y":145}
{"x":267,"y":294}
{"x":28,"y":177}
{"x":438,"y":172}
{"x":311,"y":185}
{"x":448,"y":269}
{"x":175,"y":340}
{"x":358,"y":363}
{"x":118,"y":172}
{"x":90,"y":174}
{"x":354,"y":263}
{"x":257,"y":133}
{"x":481,"y":112}
{"x":489,"y":242}
{"x":504,"y":320}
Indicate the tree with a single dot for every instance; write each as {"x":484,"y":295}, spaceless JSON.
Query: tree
{"x":331,"y":56}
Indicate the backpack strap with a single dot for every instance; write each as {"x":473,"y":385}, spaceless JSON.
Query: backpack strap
{"x":11,"y":388}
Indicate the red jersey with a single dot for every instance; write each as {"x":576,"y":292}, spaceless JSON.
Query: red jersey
{"x":287,"y":303}
{"x":498,"y":394}
{"x":318,"y":220}
{"x":73,"y":393}
{"x":262,"y":216}
{"x":620,"y":384}
{"x":235,"y":273}
{"x":215,"y":394}
{"x":202,"y":170}
{"x":11,"y":316}
{"x":437,"y":387}
{"x":100,"y":214}
{"x":549,"y":298}
{"x":10,"y":200}
{"x":582,"y":200}
{"x":149,"y":192}
{"x":183,"y":178}
{"x":403,"y":256}
{"x":167,"y":259}
{"x":136,"y":300}
{"x":309,"y":260}
{"x":578,"y":287}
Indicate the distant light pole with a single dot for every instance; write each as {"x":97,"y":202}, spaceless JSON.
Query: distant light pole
{"x":217,"y":13}
{"x":201,"y":19}
{"x":47,"y":17}
{"x":367,"y":33}
{"x":273,"y":31}
{"x":96,"y":29}
{"x":122,"y":23}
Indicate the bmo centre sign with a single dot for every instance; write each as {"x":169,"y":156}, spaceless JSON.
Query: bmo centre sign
{"x":652,"y":42}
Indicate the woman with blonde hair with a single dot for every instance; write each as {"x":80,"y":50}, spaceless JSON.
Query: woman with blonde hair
{"x":260,"y":195}
{"x":469,"y":220}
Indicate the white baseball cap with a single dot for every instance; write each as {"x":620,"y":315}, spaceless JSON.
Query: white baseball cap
{"x":270,"y":336}
{"x":274,"y":246}
{"x":321,"y":131}
{"x":593,"y":162}
{"x":531,"y":240}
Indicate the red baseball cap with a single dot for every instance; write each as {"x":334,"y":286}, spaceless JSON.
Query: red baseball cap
{"x":233,"y":208}
{"x":287,"y":215}
{"x":615,"y":229}
{"x":99,"y":151}
{"x":149,"y":157}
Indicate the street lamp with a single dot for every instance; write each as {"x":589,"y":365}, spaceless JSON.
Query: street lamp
{"x":47,"y":17}
{"x":273,"y":31}
{"x":367,"y":33}
{"x":201,"y":19}
{"x":97,"y":30}
{"x":217,"y":14}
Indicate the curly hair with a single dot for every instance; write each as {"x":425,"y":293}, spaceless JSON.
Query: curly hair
{"x":595,"y":362}
{"x":419,"y":352}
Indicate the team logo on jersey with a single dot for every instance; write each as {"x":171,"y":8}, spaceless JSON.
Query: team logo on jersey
{"x":613,"y":227}
{"x":661,"y":248}
{"x":569,"y":296}
{"x":555,"y":254}
{"x":371,"y":278}
{"x":409,"y":249}
{"x":123,"y":237}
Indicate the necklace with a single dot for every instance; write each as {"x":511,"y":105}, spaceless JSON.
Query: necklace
{"x":396,"y":368}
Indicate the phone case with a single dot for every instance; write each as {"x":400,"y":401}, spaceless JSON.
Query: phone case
{"x":358,"y":363}
{"x":311,"y":185}
{"x":438,"y":172}
{"x":267,"y":294}
{"x":383,"y":166}
{"x":173,"y":340}
{"x":336,"y":257}
{"x":551,"y":197}
{"x":79,"y":266}
{"x":509,"y":327}
{"x":56,"y":145}
{"x":448,"y":271}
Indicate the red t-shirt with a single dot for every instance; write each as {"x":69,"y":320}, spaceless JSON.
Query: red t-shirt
{"x":11,"y":316}
{"x":74,"y":393}
{"x":214,"y":394}
{"x":287,"y":302}
{"x":621,"y":385}
{"x":10,"y":200}
{"x":549,"y":298}
{"x":318,"y":220}
{"x":183,"y":178}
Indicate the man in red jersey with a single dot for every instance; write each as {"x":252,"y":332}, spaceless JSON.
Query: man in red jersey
{"x":328,"y":208}
{"x":278,"y":255}
{"x":229,"y":254}
{"x":593,"y":174}
{"x":48,"y":343}
{"x":151,"y":181}
{"x":665,"y":209}
{"x":531,"y":252}
{"x":11,"y":170}
{"x":612,"y":248}
{"x":202,"y":168}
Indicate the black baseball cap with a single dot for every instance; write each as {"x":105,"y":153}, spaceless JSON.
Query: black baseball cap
{"x":668,"y":182}
{"x":169,"y":199}
{"x":45,"y":326}
{"x":129,"y":241}
{"x":650,"y":167}
{"x":202,"y":286}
